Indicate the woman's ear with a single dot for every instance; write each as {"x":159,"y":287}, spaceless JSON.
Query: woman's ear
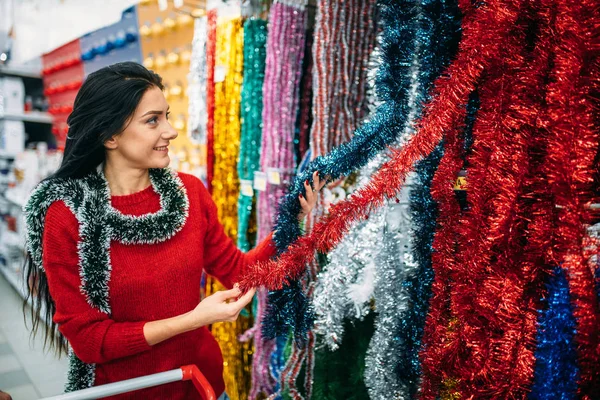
{"x":111,"y":143}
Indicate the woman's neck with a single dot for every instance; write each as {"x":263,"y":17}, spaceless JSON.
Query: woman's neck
{"x":125,"y":181}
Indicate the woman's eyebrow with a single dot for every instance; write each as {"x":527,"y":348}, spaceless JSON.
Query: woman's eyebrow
{"x":153,"y":112}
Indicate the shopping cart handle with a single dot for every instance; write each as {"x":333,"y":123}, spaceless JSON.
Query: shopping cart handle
{"x":185,"y":373}
{"x":191,"y":372}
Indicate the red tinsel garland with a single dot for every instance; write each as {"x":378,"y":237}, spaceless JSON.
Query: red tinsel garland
{"x":515,"y":283}
{"x":480,"y":44}
{"x":443,"y":257}
{"x":494,"y":299}
{"x":211,"y":51}
{"x":573,"y":146}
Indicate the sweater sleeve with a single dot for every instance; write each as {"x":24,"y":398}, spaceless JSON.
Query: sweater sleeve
{"x":93,"y":335}
{"x":222,"y":258}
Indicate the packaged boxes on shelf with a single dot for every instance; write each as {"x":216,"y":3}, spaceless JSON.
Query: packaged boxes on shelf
{"x":12,"y":95}
{"x":12,"y":137}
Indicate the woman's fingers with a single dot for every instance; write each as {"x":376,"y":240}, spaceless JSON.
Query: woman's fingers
{"x":304,"y":204}
{"x":309,"y":192}
{"x":225,"y":295}
{"x":316,"y":181}
{"x":245,"y":299}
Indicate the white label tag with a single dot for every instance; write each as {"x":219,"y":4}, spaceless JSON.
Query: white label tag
{"x":260,"y":181}
{"x":246,"y":187}
{"x":220,"y":72}
{"x":163,"y":5}
{"x":273,"y":176}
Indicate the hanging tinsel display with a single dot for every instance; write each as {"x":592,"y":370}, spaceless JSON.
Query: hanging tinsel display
{"x":345,"y":287}
{"x":402,"y":38}
{"x":285,"y":51}
{"x":343,"y":42}
{"x":255,"y":39}
{"x":424,"y":210}
{"x":197,"y":120}
{"x":592,"y":253}
{"x":304,"y":123}
{"x":284,"y":60}
{"x":410,"y":294}
{"x":556,"y":371}
{"x":572,"y":121}
{"x":483,"y":343}
{"x":211,"y":48}
{"x":344,"y":39}
{"x":394,"y":265}
{"x":228,"y":70}
{"x":473,"y":337}
{"x":424,"y":213}
{"x":339,"y":374}
{"x":441,"y":113}
{"x":386,"y":182}
{"x":225,"y":190}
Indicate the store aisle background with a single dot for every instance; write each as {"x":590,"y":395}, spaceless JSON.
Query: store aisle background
{"x":26,"y":371}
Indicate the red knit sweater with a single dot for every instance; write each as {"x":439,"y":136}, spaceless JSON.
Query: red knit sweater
{"x":147,"y":283}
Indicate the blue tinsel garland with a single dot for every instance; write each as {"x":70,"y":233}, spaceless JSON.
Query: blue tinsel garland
{"x":424,"y":213}
{"x":556,"y":371}
{"x":402,"y":35}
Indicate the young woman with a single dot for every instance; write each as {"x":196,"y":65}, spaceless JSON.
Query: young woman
{"x":117,"y":244}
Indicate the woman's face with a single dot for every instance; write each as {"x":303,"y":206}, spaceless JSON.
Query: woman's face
{"x":144,"y":142}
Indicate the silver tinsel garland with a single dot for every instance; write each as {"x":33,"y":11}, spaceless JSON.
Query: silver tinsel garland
{"x":394,"y":264}
{"x":345,"y":287}
{"x":370,"y":264}
{"x":350,"y":265}
{"x":198,"y":116}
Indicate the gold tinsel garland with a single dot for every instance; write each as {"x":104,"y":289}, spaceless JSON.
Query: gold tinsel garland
{"x":228,"y":81}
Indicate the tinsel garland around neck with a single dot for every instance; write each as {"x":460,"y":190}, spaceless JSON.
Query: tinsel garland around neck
{"x":100,"y":223}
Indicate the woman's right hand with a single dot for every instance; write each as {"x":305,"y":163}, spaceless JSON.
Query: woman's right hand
{"x":222,"y":306}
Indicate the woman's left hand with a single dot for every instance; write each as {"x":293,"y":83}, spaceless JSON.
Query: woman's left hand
{"x":310,"y":201}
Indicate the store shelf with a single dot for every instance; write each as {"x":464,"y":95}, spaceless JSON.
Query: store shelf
{"x":15,"y":279}
{"x":12,"y":240}
{"x":37,"y":117}
{"x":13,"y":197}
{"x":10,"y":156}
{"x":7,"y":71}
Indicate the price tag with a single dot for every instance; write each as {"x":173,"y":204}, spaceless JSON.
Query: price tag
{"x":273,"y":176}
{"x":220,"y":72}
{"x":461,"y":183}
{"x":260,"y":181}
{"x":246,"y":187}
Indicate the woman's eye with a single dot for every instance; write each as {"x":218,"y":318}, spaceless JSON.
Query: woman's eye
{"x":168,"y":115}
{"x":153,"y":120}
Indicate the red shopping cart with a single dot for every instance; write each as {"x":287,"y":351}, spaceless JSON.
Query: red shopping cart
{"x":185,"y":373}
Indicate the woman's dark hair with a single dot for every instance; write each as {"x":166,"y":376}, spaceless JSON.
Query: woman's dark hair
{"x":103,"y":108}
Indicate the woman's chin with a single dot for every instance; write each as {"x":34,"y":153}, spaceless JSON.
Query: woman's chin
{"x":162,"y":162}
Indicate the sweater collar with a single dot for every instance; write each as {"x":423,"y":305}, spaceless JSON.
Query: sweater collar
{"x":132,"y":199}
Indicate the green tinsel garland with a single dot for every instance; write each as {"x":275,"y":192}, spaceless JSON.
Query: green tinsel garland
{"x":339,"y":374}
{"x":255,"y":53}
